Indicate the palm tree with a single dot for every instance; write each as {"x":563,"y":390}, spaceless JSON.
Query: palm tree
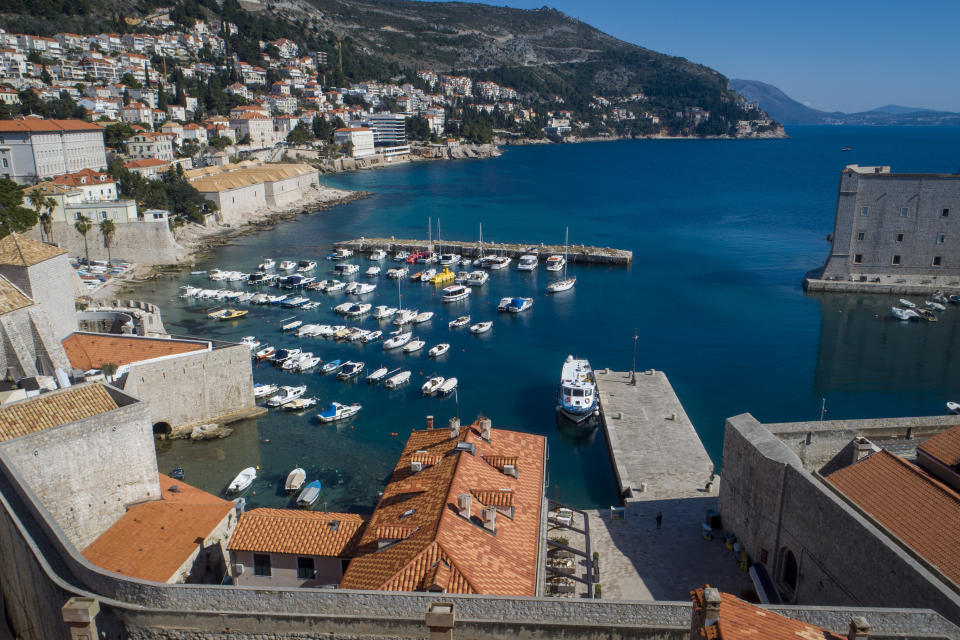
{"x":46,"y":220}
{"x":37,"y":199}
{"x":107,"y":229}
{"x":82,"y":225}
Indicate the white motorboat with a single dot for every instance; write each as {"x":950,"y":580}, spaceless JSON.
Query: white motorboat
{"x":250,"y":341}
{"x":260,"y":298}
{"x":931,"y":304}
{"x":478,"y":278}
{"x":300,"y":404}
{"x":297,"y":301}
{"x":310,"y":494}
{"x":498,"y":262}
{"x":439,"y":350}
{"x":357,"y":334}
{"x":263,"y":390}
{"x":266,"y":265}
{"x":397,"y":380}
{"x":462,"y":321}
{"x":455,"y":292}
{"x":372,"y":272}
{"x":447,"y":387}
{"x":555,"y":263}
{"x":306,"y":265}
{"x":399,"y":272}
{"x":293,"y":362}
{"x":378,"y":254}
{"x":481,"y":327}
{"x":397,"y":341}
{"x":188,"y":291}
{"x":290,"y":324}
{"x":565,"y":283}
{"x":527,"y":262}
{"x":363,"y":288}
{"x":287,"y":265}
{"x":347,"y":269}
{"x":404,"y":316}
{"x":373,"y":336}
{"x":907,"y":304}
{"x":295,"y":480}
{"x":342,"y":308}
{"x":350,"y":369}
{"x":283,"y":355}
{"x":340,"y":254}
{"x":308,"y":362}
{"x":276,"y":299}
{"x":401,"y":256}
{"x":430,"y":386}
{"x":334,"y":286}
{"x":413,"y":346}
{"x":376,"y":376}
{"x":308,"y":331}
{"x":336,"y":411}
{"x":449,"y":259}
{"x":577,"y":397}
{"x":905,"y":314}
{"x":310,"y":306}
{"x":285,"y":395}
{"x":953,"y":407}
{"x":426,"y":316}
{"x":333,"y":365}
{"x":356,"y":310}
{"x":243,"y":480}
{"x":515,"y":305}
{"x":382,"y":312}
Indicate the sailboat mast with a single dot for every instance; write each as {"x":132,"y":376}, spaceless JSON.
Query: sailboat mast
{"x":566,"y":242}
{"x":399,"y":297}
{"x":430,"y":234}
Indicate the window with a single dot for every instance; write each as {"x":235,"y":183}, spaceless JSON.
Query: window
{"x":789,"y":571}
{"x":861,"y":235}
{"x":5,"y":163}
{"x":904,"y":211}
{"x":261,"y":564}
{"x":945,"y":213}
{"x":937,"y":261}
{"x":896,"y":260}
{"x":864,"y":210}
{"x":858,"y":258}
{"x":899,"y":237}
{"x":305,"y":568}
{"x":941,"y":238}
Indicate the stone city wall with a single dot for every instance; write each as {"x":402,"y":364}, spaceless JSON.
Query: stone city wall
{"x":145,"y":242}
{"x":29,"y":345}
{"x":51,"y":285}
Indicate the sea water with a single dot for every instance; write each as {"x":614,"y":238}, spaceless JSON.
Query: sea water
{"x":722,"y":233}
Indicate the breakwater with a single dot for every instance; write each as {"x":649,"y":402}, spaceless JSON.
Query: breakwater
{"x":575,"y":253}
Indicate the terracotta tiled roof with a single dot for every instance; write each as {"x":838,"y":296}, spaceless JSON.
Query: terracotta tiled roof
{"x":153,"y":540}
{"x":39,"y":124}
{"x":11,"y":297}
{"x":83,"y":177}
{"x":739,"y":620}
{"x":910,"y":503}
{"x":53,"y":409}
{"x":93,"y":350}
{"x":494,"y":497}
{"x":21,"y":251}
{"x":296,"y":532}
{"x":146,"y":162}
{"x":944,"y":447}
{"x":423,"y":507}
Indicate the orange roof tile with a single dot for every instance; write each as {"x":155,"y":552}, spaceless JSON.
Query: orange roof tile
{"x":53,"y":409}
{"x":296,"y":532}
{"x":944,"y":447}
{"x":21,"y":251}
{"x":739,"y":620}
{"x":39,"y":124}
{"x":420,"y":509}
{"x":910,"y":503}
{"x":153,"y":540}
{"x":93,"y":350}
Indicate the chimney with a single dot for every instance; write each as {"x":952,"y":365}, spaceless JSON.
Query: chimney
{"x":416,"y":466}
{"x":429,"y":422}
{"x":711,"y":606}
{"x":490,"y":518}
{"x":454,"y":428}
{"x":464,"y":500}
{"x":859,"y":629}
{"x":485,"y":425}
{"x":862,"y":448}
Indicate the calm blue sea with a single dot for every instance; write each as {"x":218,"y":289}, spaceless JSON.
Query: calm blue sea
{"x":722,"y":234}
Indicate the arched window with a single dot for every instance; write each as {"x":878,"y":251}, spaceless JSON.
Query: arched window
{"x":789,"y":571}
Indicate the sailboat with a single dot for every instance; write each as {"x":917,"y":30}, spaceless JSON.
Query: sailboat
{"x":565,"y":283}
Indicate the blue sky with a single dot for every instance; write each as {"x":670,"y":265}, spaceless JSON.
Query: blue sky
{"x":829,"y":55}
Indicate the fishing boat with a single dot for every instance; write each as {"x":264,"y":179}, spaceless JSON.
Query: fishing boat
{"x":376,"y":376}
{"x":216,"y":315}
{"x":350,"y":369}
{"x":309,"y":495}
{"x":905,"y":314}
{"x":261,"y":390}
{"x":295,"y":480}
{"x":336,"y":411}
{"x":243,"y":480}
{"x":332,"y":366}
{"x":477,"y":278}
{"x":447,"y":387}
{"x":266,"y":265}
{"x":382,"y":312}
{"x":907,"y":303}
{"x":420,"y":318}
{"x":430,"y":386}
{"x":397,"y":380}
{"x":233,"y":314}
{"x":286,"y":394}
{"x":413,"y":346}
{"x":290,"y":324}
{"x":462,"y":321}
{"x":300,"y":404}
{"x":373,"y":336}
{"x":455,"y":293}
{"x":953,"y":407}
{"x":250,"y":341}
{"x":372,"y":272}
{"x":439,"y":350}
{"x":378,"y":254}
{"x":564,"y":283}
{"x":577,"y":391}
{"x":527,"y":262}
{"x":265,"y":353}
{"x":481,"y":327}
{"x":306,"y":265}
{"x":283,"y":355}
{"x":287,"y":265}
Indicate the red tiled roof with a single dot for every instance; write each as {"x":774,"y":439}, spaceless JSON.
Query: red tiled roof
{"x":739,"y":620}
{"x":420,"y":509}
{"x":39,"y":124}
{"x":910,"y":503}
{"x":153,"y":540}
{"x":50,"y":410}
{"x":145,"y":162}
{"x":83,"y":177}
{"x":93,"y":350}
{"x":944,"y":447}
{"x":296,"y":532}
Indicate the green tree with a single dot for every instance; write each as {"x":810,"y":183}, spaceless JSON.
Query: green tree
{"x":301,"y":134}
{"x":130,"y":80}
{"x":83,"y":225}
{"x":108,"y":229}
{"x":46,"y":219}
{"x":14,"y":217}
{"x":161,"y":98}
{"x":219,"y":142}
{"x":45,"y":76}
{"x":116,"y":135}
{"x":37,"y":199}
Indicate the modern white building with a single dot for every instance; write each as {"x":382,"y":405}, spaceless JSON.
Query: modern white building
{"x":258,"y":127}
{"x":32,"y":149}
{"x":361,"y":137}
{"x":389,"y":129}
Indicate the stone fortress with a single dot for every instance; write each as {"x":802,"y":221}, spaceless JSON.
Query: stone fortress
{"x":893,"y":232}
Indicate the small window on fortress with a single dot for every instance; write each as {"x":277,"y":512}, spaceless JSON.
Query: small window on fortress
{"x":864,"y":210}
{"x":937,"y":261}
{"x":899,"y":237}
{"x":896,"y":260}
{"x":904,"y":211}
{"x":858,"y":258}
{"x":945,"y":213}
{"x":941,"y":238}
{"x":861,"y":235}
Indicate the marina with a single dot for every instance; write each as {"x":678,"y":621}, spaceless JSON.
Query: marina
{"x":577,"y":253}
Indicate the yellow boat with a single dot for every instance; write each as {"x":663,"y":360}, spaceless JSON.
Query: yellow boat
{"x":233,"y":314}
{"x":443,"y":277}
{"x":214,"y":315}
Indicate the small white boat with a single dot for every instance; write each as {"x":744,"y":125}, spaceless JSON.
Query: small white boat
{"x":308,"y":362}
{"x":382,"y":312}
{"x":378,"y":254}
{"x":266,"y":265}
{"x":363,"y":288}
{"x":515,"y":305}
{"x":397,"y":380}
{"x":336,"y":411}
{"x":455,"y":292}
{"x":905,"y":314}
{"x":397,"y":341}
{"x":427,"y":274}
{"x":556,"y":263}
{"x":332,"y":366}
{"x":953,"y":407}
{"x":306,"y":265}
{"x":343,"y":307}
{"x":462,"y":321}
{"x":439,"y":350}
{"x":372,"y":336}
{"x":310,"y":494}
{"x":481,"y":327}
{"x":263,"y":390}
{"x":276,"y":299}
{"x":300,"y":404}
{"x":404,"y":316}
{"x":498,"y":262}
{"x":907,"y":303}
{"x":399,"y":272}
{"x":293,"y":362}
{"x":283,"y":355}
{"x":413,"y":346}
{"x":478,"y":278}
{"x":350,"y":369}
{"x":401,"y":256}
{"x":260,"y":298}
{"x":449,"y":259}
{"x":347,"y":269}
{"x":340,"y":254}
{"x":358,"y":310}
{"x":932,"y":304}
{"x":372,"y":272}
{"x":187,"y":291}
{"x":295,"y":480}
{"x":426,"y":316}
{"x":334,"y":286}
{"x":447,"y":387}
{"x":287,"y":265}
{"x":310,"y":306}
{"x":265,"y":353}
{"x":285,"y":395}
{"x":376,"y":376}
{"x":290,"y":325}
{"x":561,"y":285}
{"x":250,"y":341}
{"x":430,"y":386}
{"x":527,"y":262}
{"x":243,"y":480}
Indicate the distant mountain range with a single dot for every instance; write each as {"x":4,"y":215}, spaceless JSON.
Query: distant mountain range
{"x":788,"y":111}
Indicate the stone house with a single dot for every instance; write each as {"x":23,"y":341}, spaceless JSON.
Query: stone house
{"x":42,"y":273}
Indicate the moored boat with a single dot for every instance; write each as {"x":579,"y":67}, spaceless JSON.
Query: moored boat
{"x":377,"y":375}
{"x":462,"y":321}
{"x":907,"y":303}
{"x":332,"y":366}
{"x":455,"y":292}
{"x":372,"y":272}
{"x":477,"y":278}
{"x":310,"y":494}
{"x":290,"y":324}
{"x":306,"y":265}
{"x":439,"y":350}
{"x":233,"y":314}
{"x":420,"y":318}
{"x":336,"y":411}
{"x":261,"y":390}
{"x":382,"y":312}
{"x":295,"y":480}
{"x":378,"y":254}
{"x":265,"y":353}
{"x":243,"y":480}
{"x":527,"y":262}
{"x":481,"y":327}
{"x":905,"y":314}
{"x":286,"y":394}
{"x":413,"y":346}
{"x":953,"y":407}
{"x":397,"y":341}
{"x":397,"y":380}
{"x":447,"y":387}
{"x":287,"y":265}
{"x":300,"y":404}
{"x":430,"y":386}
{"x":577,"y":392}
{"x":350,"y":369}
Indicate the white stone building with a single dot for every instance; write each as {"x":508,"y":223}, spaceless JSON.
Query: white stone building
{"x":361,"y":137}
{"x":149,"y":144}
{"x":32,"y":149}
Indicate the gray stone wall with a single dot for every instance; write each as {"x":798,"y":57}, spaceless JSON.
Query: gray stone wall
{"x":86,"y":473}
{"x":50,"y":285}
{"x":29,"y":345}
{"x":146,"y":242}
{"x":207,"y":386}
{"x":914,"y":237}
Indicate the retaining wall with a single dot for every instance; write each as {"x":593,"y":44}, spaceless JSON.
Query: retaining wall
{"x":145,"y":242}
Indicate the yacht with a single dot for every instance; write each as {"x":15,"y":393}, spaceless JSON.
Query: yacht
{"x":336,"y":411}
{"x":577,"y":391}
{"x":287,"y":265}
{"x":308,"y":362}
{"x":306,"y":265}
{"x":285,"y":395}
{"x":478,"y":278}
{"x":378,"y":254}
{"x":565,"y":283}
{"x":334,"y":286}
{"x":188,"y":291}
{"x":427,"y":274}
{"x":449,"y":259}
{"x":373,"y":336}
{"x":455,"y":292}
{"x":555,"y":263}
{"x":527,"y":262}
{"x":283,"y":355}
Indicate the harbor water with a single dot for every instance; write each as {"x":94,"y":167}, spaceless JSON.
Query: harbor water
{"x":722,"y":233}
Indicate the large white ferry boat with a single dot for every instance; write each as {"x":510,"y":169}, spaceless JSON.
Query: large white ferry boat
{"x":577,"y":392}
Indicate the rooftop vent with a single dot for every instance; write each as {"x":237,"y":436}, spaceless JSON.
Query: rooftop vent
{"x":416,"y":466}
{"x":468,"y":447}
{"x":510,"y":470}
{"x":406,"y":514}
{"x":334,"y":525}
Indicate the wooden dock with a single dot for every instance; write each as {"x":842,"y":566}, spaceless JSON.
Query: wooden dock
{"x":575,"y":253}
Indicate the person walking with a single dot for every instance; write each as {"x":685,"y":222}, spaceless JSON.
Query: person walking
{"x":659,"y":518}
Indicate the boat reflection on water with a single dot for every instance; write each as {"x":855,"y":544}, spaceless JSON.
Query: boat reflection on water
{"x":577,"y":433}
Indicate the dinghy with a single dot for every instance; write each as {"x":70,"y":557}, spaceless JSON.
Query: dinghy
{"x":430,"y":386}
{"x":439,"y":350}
{"x":309,"y":495}
{"x":397,"y":380}
{"x":243,"y":480}
{"x":295,"y":480}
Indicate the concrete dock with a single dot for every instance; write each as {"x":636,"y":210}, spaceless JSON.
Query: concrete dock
{"x":575,"y":253}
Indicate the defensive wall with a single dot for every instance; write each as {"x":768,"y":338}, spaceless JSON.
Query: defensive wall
{"x":28,"y":344}
{"x":51,"y":285}
{"x":778,"y":509}
{"x":146,"y":242}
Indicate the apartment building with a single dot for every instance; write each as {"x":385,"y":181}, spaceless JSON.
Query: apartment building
{"x":32,"y":149}
{"x":148,"y":144}
{"x":360,"y":137}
